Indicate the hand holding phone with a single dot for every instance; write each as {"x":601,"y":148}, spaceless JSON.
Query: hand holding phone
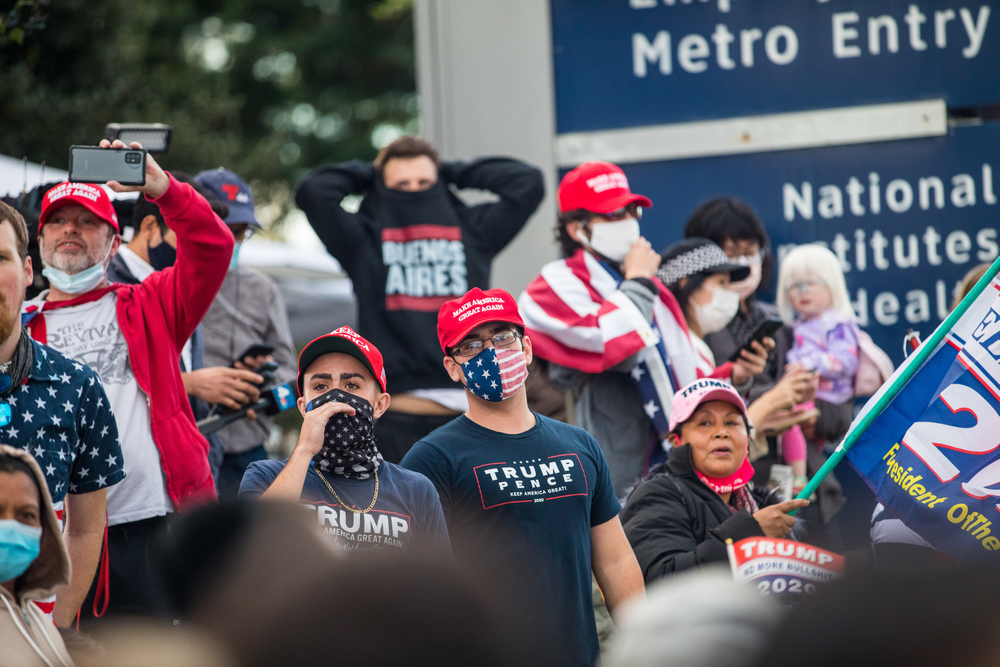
{"x":254,"y":351}
{"x":157,"y":181}
{"x":766,"y":329}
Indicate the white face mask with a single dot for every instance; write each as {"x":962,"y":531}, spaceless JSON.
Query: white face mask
{"x":614,"y":239}
{"x":717,"y":313}
{"x":746,"y":287}
{"x":78,"y":283}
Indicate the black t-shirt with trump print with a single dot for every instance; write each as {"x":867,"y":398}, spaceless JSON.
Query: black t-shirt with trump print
{"x":529,"y":500}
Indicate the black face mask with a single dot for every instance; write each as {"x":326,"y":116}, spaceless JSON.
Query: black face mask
{"x":161,"y":256}
{"x":349,"y":441}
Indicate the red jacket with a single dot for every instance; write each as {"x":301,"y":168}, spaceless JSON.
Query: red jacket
{"x":156,"y":318}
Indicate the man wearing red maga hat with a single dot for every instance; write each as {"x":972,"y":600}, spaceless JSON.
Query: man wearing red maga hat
{"x":533,"y":494}
{"x":361,"y":501}
{"x":613,"y":334}
{"x":132,"y":336}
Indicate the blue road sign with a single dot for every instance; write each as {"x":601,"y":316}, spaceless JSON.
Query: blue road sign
{"x":907,"y":218}
{"x":629,"y":63}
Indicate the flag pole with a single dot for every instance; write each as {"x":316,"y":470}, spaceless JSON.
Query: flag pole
{"x":919,"y":357}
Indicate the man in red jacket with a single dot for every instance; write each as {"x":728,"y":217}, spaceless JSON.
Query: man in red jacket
{"x":132,"y":336}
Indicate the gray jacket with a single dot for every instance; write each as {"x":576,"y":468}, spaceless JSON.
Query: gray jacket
{"x":248,"y":309}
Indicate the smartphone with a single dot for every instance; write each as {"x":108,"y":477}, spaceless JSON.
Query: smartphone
{"x":256,"y":350}
{"x":767,"y":328}
{"x":92,"y":164}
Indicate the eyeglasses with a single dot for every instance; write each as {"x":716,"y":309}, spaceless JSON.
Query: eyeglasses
{"x":805,"y":286}
{"x":753,"y":259}
{"x":630,"y":211}
{"x":471,"y":348}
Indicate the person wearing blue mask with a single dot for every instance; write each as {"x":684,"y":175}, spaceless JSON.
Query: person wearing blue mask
{"x":34,"y":563}
{"x":248,"y":310}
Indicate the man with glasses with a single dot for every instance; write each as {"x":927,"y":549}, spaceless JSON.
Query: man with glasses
{"x":530,"y":496}
{"x":733,"y":226}
{"x":248,"y":311}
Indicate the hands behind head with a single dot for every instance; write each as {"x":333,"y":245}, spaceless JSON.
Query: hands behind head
{"x":157,"y":180}
{"x":775,"y":521}
{"x":752,"y":362}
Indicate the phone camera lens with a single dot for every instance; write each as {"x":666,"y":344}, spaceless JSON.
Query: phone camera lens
{"x":133,"y":158}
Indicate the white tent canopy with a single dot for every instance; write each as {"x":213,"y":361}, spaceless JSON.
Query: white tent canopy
{"x":16,"y":177}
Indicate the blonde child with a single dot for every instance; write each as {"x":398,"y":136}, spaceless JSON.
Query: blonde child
{"x":812,"y":295}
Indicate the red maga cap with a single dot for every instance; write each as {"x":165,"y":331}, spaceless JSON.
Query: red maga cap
{"x":598,"y":187}
{"x":346,"y":341}
{"x":460,"y":316}
{"x":92,"y":197}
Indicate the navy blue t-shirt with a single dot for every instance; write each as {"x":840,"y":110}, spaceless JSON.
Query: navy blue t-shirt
{"x":530,"y":500}
{"x":407,"y":514}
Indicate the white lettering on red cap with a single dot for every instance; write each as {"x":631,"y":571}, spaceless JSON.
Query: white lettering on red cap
{"x":476,"y":302}
{"x":348,"y":332}
{"x":73,"y":190}
{"x":607,"y":181}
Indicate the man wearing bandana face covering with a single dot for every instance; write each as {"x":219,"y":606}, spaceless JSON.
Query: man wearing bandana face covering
{"x":531,"y":493}
{"x":411,"y":246}
{"x":359,"y":500}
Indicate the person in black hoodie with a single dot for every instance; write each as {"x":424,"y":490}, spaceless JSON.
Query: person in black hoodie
{"x":682,"y":514}
{"x":412,"y":246}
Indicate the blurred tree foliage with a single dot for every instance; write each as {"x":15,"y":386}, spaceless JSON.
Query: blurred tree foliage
{"x":268,"y":88}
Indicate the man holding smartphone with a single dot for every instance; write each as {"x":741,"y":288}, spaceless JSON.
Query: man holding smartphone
{"x":132,"y":336}
{"x":246,"y":325}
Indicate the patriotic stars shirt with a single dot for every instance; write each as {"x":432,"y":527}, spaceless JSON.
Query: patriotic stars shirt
{"x":63,"y":418}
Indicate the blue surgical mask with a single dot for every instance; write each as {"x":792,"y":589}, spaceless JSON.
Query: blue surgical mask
{"x":19,"y":547}
{"x":236,"y":256}
{"x":78,"y":283}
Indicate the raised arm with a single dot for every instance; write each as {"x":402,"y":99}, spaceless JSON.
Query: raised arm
{"x":519,"y":186}
{"x":319,"y":195}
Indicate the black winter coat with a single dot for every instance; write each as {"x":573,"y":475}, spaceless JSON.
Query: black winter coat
{"x":675,"y":522}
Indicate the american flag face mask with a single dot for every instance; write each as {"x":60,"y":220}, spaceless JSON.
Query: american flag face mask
{"x":349,"y":440}
{"x":495,"y":375}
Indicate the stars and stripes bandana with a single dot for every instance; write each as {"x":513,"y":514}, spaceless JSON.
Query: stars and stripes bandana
{"x":495,"y":375}
{"x":349,"y":445}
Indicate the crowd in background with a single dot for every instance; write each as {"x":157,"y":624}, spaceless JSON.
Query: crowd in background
{"x":483,"y":477}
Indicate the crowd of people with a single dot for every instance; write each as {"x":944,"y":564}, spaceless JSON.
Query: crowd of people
{"x":475,"y":474}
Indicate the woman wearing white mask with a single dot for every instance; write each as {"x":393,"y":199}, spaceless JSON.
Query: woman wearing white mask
{"x":733,"y":226}
{"x":699,"y":275}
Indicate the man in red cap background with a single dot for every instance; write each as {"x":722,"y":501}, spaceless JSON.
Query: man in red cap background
{"x":614,"y":336}
{"x":132,"y":336}
{"x":525,"y":492}
{"x":336,"y":469}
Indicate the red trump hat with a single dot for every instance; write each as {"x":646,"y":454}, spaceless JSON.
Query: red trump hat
{"x":346,"y":341}
{"x":598,"y":187}
{"x":460,"y":316}
{"x":91,"y":197}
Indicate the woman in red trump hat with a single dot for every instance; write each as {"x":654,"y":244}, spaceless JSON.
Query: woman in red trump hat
{"x":614,"y":336}
{"x":681,"y":516}
{"x":360,"y":501}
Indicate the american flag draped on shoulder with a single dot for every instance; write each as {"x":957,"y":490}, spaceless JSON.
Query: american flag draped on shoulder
{"x":576,"y":316}
{"x":928,"y":443}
